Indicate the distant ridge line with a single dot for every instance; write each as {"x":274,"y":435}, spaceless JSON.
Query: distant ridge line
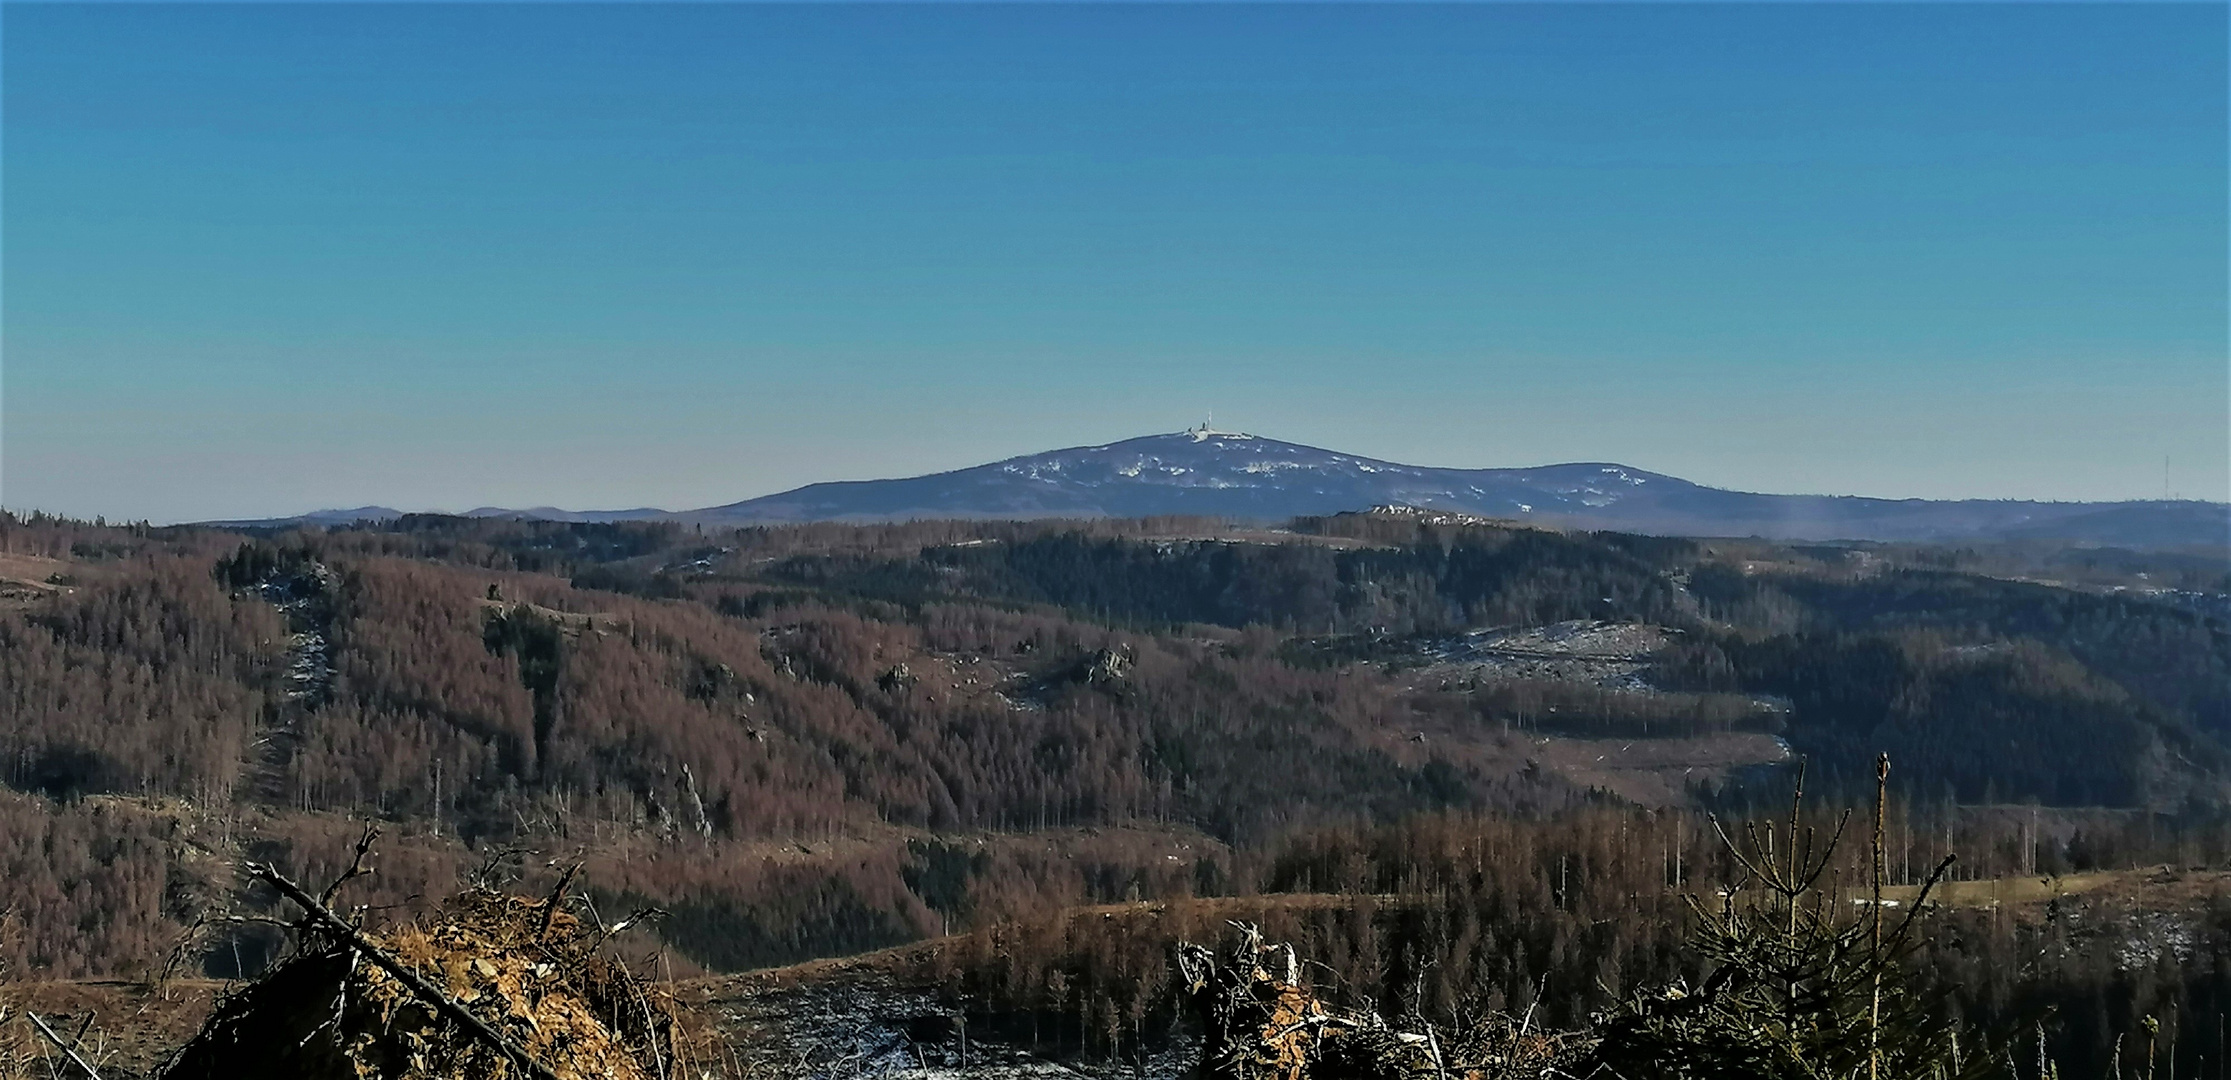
{"x":1209,"y":473}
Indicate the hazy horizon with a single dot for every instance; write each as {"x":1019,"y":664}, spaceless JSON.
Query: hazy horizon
{"x":261,"y":260}
{"x":465,"y":509}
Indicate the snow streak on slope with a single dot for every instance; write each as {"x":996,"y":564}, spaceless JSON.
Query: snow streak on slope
{"x":1201,"y":472}
{"x":1234,"y":475}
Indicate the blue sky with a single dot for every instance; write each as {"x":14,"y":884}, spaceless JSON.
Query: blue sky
{"x":260,"y":259}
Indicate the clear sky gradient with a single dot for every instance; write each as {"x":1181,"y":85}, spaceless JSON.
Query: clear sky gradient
{"x":262,"y":259}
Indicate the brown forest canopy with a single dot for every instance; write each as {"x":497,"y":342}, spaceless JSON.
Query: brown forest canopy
{"x":582,"y":667}
{"x":818,"y":738}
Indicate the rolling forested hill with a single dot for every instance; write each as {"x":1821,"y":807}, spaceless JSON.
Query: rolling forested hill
{"x":819,"y":739}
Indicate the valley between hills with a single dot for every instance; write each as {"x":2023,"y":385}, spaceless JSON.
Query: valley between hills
{"x":862,"y":795}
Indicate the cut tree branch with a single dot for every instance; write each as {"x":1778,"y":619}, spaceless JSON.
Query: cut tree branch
{"x":68,"y":1049}
{"x":356,"y":865}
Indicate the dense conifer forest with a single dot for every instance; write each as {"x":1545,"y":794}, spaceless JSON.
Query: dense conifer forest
{"x":1370,"y":733}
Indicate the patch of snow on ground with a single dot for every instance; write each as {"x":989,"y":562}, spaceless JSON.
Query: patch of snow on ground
{"x":1607,"y":654}
{"x":878,"y":1031}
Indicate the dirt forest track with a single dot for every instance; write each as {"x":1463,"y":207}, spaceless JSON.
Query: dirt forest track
{"x":901,"y":961}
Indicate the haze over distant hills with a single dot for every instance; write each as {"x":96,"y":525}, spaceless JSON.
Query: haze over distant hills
{"x":1229,"y":474}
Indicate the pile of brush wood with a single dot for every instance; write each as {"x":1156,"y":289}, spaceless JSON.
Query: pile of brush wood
{"x":492,"y":985}
{"x":1263,"y":1022}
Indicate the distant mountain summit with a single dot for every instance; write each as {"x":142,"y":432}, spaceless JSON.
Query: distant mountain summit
{"x":1200,"y":471}
{"x":1230,"y":474}
{"x":1233,"y":474}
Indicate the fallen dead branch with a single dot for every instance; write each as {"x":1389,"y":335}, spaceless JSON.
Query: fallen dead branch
{"x":1261,"y":1021}
{"x":69,"y":1048}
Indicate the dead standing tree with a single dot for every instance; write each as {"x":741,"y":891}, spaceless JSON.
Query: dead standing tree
{"x":1798,"y":986}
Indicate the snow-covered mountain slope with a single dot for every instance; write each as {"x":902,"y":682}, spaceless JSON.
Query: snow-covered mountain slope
{"x":1228,"y":474}
{"x":1197,"y":472}
{"x":1232,"y":475}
